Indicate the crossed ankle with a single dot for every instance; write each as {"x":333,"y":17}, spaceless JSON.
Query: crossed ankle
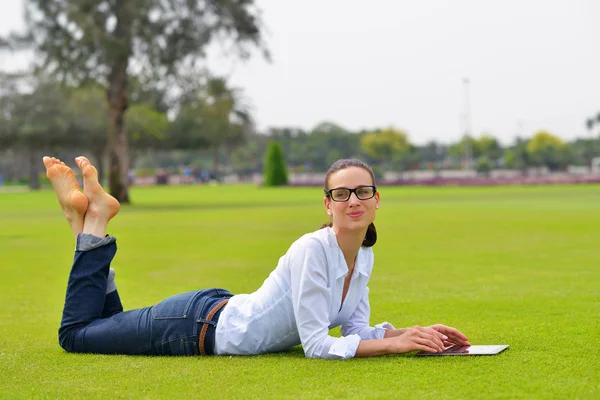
{"x":87,"y":241}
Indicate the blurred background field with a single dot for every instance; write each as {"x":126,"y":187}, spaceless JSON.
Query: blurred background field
{"x":506,"y":265}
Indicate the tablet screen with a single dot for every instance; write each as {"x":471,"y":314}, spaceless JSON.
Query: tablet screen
{"x":482,"y":350}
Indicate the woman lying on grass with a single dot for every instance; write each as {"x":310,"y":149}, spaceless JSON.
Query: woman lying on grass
{"x":320,"y":283}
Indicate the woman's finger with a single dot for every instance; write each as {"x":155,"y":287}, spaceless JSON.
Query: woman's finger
{"x":458,"y":339}
{"x":433,"y":332}
{"x":449,"y":331}
{"x":425,"y":348}
{"x":433,"y":339}
{"x":439,"y":337}
{"x":426,"y":345}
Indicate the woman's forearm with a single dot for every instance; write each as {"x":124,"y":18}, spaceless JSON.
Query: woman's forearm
{"x":399,"y":341}
{"x":379,"y":347}
{"x":394,"y":332}
{"x":374,"y":347}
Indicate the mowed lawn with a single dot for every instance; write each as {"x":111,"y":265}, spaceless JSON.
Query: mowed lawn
{"x":509,"y":265}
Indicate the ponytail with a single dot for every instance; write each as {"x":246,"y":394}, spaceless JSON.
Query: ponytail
{"x":370,"y":236}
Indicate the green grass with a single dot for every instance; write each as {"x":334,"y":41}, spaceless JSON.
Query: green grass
{"x":518,"y":265}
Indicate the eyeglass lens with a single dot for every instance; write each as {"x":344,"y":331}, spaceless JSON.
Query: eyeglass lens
{"x":363,"y":193}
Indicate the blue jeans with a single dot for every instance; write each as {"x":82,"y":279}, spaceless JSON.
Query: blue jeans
{"x":94,"y":322}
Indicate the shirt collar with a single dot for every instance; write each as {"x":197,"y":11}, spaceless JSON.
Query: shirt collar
{"x":341,"y":269}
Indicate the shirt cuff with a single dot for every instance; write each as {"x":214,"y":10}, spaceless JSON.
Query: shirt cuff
{"x":381,"y":328}
{"x":87,"y":242}
{"x":344,"y":347}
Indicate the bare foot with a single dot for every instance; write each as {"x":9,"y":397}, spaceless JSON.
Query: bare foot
{"x":102,"y":206}
{"x":73,"y":203}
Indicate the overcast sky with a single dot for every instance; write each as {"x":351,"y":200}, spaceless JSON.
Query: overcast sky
{"x":531,"y":64}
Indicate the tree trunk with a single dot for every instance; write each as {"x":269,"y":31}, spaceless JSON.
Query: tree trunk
{"x":117,"y":146}
{"x":117,"y":137}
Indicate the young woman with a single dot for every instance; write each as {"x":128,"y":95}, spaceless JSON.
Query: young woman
{"x":320,"y":283}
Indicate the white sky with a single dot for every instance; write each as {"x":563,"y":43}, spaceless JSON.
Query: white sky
{"x":532,"y":64}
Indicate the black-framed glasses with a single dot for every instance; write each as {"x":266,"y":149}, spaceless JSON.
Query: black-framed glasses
{"x":343,"y":194}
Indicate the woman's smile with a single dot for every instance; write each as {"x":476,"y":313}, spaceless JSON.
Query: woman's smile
{"x":355,"y":214}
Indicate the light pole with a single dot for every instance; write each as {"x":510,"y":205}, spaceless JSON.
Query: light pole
{"x":468,"y":149}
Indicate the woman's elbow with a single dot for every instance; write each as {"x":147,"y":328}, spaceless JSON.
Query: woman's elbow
{"x":66,"y":340}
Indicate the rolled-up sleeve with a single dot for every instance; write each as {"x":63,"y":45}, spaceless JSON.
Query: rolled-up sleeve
{"x":358,"y":323}
{"x":311,"y":297}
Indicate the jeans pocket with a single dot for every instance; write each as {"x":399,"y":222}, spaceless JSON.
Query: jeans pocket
{"x":187,"y":346}
{"x":175,"y":307}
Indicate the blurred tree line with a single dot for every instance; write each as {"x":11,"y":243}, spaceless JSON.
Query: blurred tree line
{"x":209,"y":126}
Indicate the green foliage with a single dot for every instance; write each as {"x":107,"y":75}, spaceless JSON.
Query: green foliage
{"x":518,"y":267}
{"x":432,"y":152}
{"x":510,"y":159}
{"x":146,"y":127}
{"x":483,"y":146}
{"x":584,"y":151}
{"x":517,"y":156}
{"x":37,"y":119}
{"x":388,"y":145}
{"x":378,"y":172}
{"x":212,"y":116}
{"x":547,"y":149}
{"x":543,"y":139}
{"x":315,"y":150}
{"x":275,"y":170}
{"x":487,"y":146}
{"x":244,"y":159}
{"x":483,"y":166}
{"x":85,"y":39}
{"x":589,"y":124}
{"x":458,"y":150}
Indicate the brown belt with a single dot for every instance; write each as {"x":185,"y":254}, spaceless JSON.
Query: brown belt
{"x":205,"y":325}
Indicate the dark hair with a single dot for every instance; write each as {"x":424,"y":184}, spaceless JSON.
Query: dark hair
{"x":371,"y":235}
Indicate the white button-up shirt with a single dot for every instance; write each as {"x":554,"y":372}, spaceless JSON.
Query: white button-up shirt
{"x":300,"y":302}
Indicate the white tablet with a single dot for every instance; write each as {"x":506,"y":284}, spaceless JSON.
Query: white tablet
{"x":486,"y":350}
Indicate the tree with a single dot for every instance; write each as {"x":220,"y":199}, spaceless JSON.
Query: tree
{"x":459,"y":150}
{"x":510,"y":159}
{"x":86,"y":113}
{"x":432,"y":153}
{"x":34,"y":122}
{"x":483,"y":166}
{"x":547,"y":149}
{"x":589,"y":124}
{"x":585,"y":150}
{"x":98,"y":39}
{"x":275,"y":170}
{"x":387,"y":145}
{"x":87,"y":109}
{"x":212,"y":116}
{"x":487,"y":146}
{"x":146,"y":127}
{"x":517,"y":156}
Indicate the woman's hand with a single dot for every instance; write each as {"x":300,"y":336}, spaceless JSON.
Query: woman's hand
{"x":419,"y":338}
{"x":433,"y":339}
{"x":453,"y":336}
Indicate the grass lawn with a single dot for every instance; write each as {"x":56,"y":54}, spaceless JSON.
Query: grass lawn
{"x":516,"y":265}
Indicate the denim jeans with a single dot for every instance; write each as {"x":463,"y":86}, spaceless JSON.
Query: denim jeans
{"x":94,"y":322}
